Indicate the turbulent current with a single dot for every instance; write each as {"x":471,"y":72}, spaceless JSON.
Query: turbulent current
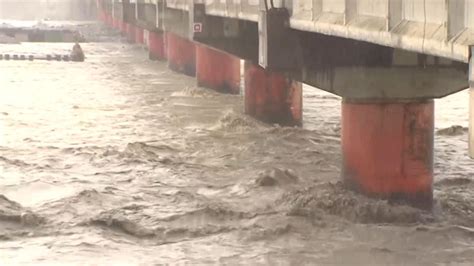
{"x":119,"y":161}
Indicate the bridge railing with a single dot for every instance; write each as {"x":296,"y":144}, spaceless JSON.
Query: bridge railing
{"x":242,"y":9}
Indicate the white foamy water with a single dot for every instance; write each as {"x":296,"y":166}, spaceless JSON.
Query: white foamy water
{"x":120,"y":161}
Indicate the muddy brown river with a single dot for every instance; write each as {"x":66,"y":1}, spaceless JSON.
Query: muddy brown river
{"x":120,"y":161}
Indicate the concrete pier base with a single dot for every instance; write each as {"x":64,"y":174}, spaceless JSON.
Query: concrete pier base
{"x":156,"y":46}
{"x":217,"y":70}
{"x":104,"y":14}
{"x":181,"y":54}
{"x":387,"y":150}
{"x":271,"y":97}
{"x":109,"y":20}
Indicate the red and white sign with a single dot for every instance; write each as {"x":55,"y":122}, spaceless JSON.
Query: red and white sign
{"x":197,"y":27}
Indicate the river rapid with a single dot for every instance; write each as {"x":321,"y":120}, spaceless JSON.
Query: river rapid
{"x":120,"y":161}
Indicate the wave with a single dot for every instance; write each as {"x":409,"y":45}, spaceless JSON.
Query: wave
{"x":74,"y":209}
{"x":11,"y":211}
{"x":335,"y":199}
{"x":236,"y":122}
{"x":276,"y":176}
{"x":457,"y":204}
{"x":204,"y":221}
{"x":15,"y":162}
{"x":458,"y":181}
{"x":134,"y":152}
{"x":454,"y":130}
{"x":120,"y":223}
{"x":195,"y":92}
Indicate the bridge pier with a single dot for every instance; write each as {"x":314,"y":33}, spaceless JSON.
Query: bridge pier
{"x":272,"y":97}
{"x":471,"y":121}
{"x":116,"y":23}
{"x":387,"y":149}
{"x":156,"y":46}
{"x":217,"y":70}
{"x":181,"y":54}
{"x":387,"y":123}
{"x":130,"y":32}
{"x":139,"y":35}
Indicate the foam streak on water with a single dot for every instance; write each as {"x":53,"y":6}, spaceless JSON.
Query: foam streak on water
{"x":120,"y":161}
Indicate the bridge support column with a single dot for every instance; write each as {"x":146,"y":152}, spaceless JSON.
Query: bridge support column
{"x":110,"y":21}
{"x":139,"y":35}
{"x":123,"y":28}
{"x":271,"y":97}
{"x":181,"y":54}
{"x":388,"y":150}
{"x":116,"y":23}
{"x":101,"y":14}
{"x":156,"y":46}
{"x":130,"y":32}
{"x":217,"y":70}
{"x":471,"y":104}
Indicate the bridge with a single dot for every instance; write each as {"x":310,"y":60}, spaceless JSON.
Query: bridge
{"x":387,"y":59}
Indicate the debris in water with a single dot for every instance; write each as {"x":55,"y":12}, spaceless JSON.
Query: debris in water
{"x":276,"y":176}
{"x":455,"y":130}
{"x":77,"y":54}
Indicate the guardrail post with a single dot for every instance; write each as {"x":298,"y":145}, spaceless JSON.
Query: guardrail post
{"x":139,"y":35}
{"x":130,"y":32}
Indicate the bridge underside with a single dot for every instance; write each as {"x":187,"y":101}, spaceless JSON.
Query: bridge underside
{"x":387,"y":92}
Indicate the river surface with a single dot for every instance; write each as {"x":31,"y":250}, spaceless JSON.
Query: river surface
{"x":120,"y":161}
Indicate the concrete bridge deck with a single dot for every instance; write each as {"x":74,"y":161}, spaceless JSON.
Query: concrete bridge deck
{"x":435,"y":27}
{"x":387,"y":59}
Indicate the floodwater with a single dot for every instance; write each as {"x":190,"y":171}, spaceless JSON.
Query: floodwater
{"x":119,"y":161}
